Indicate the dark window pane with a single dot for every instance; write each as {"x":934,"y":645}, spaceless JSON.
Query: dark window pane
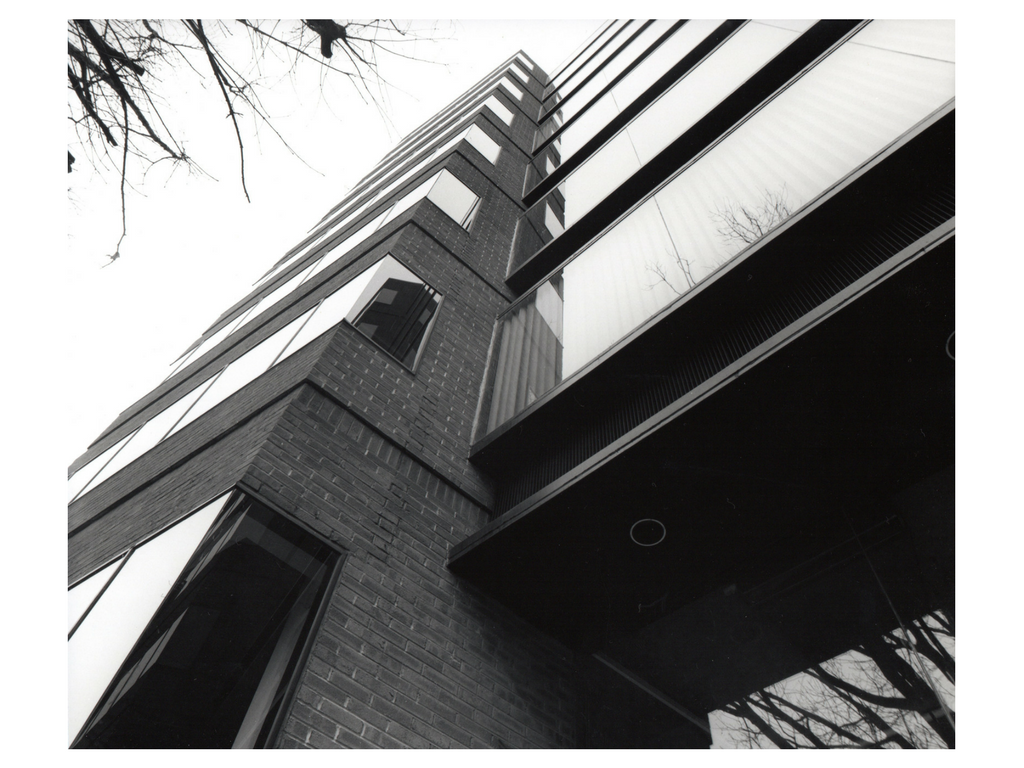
{"x":211,"y":669}
{"x":397,"y":317}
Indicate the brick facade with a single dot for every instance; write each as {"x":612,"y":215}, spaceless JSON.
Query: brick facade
{"x":373,"y":457}
{"x":406,"y":655}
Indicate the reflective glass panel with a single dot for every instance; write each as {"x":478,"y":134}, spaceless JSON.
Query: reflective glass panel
{"x":596,"y":53}
{"x":573,"y":106}
{"x":346,"y":245}
{"x":78,"y":481}
{"x":826,"y":124}
{"x":500,"y":110}
{"x":893,"y":692}
{"x":277,"y":294}
{"x":151,"y":433}
{"x":184,"y":359}
{"x":409,"y":200}
{"x":572,"y":57}
{"x":241,"y":371}
{"x":394,"y":310}
{"x":483,"y":144}
{"x":473,"y":103}
{"x":102,"y":642}
{"x":82,"y":594}
{"x":211,"y":666}
{"x":206,"y":345}
{"x":519,"y":71}
{"x":627,"y":90}
{"x":671,"y":115}
{"x":455,"y":111}
{"x":551,"y":220}
{"x":379,"y":195}
{"x":453,"y":197}
{"x":512,"y":88}
{"x":594,"y":69}
{"x":328,"y":314}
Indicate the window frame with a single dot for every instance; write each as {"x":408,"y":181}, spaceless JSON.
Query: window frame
{"x":230,"y":499}
{"x":354,"y":315}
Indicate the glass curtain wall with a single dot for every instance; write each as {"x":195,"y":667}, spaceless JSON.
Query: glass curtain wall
{"x":592,"y":52}
{"x":861,"y":97}
{"x":896,"y":691}
{"x":665,"y":120}
{"x":645,"y":38}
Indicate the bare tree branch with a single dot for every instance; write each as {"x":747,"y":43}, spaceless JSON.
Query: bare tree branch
{"x":743,"y":224}
{"x":196,"y":27}
{"x":117,"y":70}
{"x":868,"y":697}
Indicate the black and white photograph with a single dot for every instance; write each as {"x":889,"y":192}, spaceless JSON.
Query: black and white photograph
{"x":531,"y":384}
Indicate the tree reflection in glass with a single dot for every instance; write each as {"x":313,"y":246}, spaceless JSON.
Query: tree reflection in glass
{"x":872,"y":90}
{"x":893,"y":691}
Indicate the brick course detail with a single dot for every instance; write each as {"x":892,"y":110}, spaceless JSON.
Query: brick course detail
{"x":407,"y":655}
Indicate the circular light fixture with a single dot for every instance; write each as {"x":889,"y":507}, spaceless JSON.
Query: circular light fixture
{"x":647,"y":532}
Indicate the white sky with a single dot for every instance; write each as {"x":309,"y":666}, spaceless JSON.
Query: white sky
{"x":75,"y":364}
{"x":195,"y":245}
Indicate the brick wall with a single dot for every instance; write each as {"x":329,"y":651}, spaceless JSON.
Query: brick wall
{"x":487,"y":246}
{"x":429,"y":412}
{"x":407,"y":655}
{"x":373,"y":456}
{"x":206,"y":474}
{"x":167,"y":456}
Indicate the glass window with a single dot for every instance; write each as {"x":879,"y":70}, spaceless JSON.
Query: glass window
{"x":107,"y":633}
{"x":823,"y":126}
{"x":455,"y":113}
{"x":447,"y":116}
{"x":474,"y":134}
{"x":519,"y":72}
{"x":329,"y":313}
{"x":409,"y":200}
{"x":195,"y":641}
{"x":210,"y":342}
{"x":599,"y":113}
{"x":483,"y":144}
{"x":242,"y":370}
{"x":596,"y":53}
{"x":379,"y":195}
{"x":415,"y":307}
{"x":551,"y":220}
{"x":395,"y":310}
{"x":425,"y":160}
{"x":670,"y":116}
{"x":458,"y":113}
{"x":151,"y":433}
{"x":572,"y":57}
{"x":454,"y":198}
{"x":502,"y":112}
{"x":276,"y":295}
{"x":603,"y":60}
{"x":897,"y":690}
{"x":81,"y":479}
{"x":346,"y":245}
{"x":402,"y":326}
{"x":82,"y":594}
{"x":508,"y":85}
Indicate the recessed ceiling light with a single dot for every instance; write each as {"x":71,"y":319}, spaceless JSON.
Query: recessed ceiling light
{"x":647,"y":532}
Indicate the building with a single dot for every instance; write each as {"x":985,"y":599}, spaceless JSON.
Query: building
{"x":610,"y":401}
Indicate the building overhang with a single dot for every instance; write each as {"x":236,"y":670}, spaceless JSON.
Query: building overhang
{"x":787,"y":464}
